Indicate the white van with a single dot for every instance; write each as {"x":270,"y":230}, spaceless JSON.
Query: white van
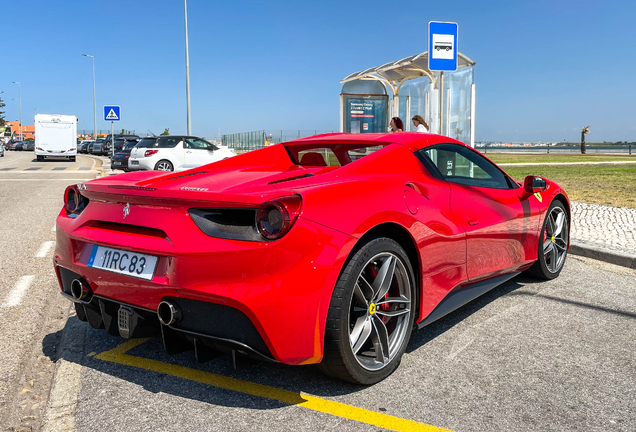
{"x":55,"y":136}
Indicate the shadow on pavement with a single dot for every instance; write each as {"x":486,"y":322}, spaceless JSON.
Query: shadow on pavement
{"x":295,"y":379}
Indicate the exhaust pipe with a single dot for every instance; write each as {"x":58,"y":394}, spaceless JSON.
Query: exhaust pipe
{"x":80,"y":292}
{"x":169,"y":313}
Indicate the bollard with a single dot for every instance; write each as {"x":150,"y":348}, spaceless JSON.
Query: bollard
{"x":548,"y":148}
{"x":630,"y":149}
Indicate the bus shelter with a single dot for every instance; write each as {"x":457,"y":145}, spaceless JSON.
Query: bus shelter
{"x":405,"y":88}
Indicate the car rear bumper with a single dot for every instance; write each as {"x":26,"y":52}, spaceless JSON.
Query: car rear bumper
{"x":142,"y":164}
{"x":280,"y":289}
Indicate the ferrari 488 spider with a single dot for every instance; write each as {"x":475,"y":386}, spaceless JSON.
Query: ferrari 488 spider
{"x":330,"y":249}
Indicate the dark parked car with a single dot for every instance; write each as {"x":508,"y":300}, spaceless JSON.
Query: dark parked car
{"x":19,"y":146}
{"x":83,"y":146}
{"x":89,"y":148}
{"x":13,"y":144}
{"x":29,"y":146}
{"x":106,"y":147}
{"x":120,"y":160}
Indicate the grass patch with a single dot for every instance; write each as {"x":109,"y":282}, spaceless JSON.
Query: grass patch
{"x":540,"y":158}
{"x":613,"y":185}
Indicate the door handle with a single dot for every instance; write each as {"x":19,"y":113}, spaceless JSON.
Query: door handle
{"x":472,"y":221}
{"x":418,"y":189}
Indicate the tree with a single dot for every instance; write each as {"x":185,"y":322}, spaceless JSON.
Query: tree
{"x":584,"y":131}
{"x":166,"y":132}
{"x":2,"y":105}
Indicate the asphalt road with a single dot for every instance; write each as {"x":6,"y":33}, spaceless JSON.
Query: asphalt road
{"x":31,"y":195}
{"x":527,"y":356}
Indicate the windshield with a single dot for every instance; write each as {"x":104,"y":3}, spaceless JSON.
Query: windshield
{"x":130,"y":144}
{"x":330,"y":155}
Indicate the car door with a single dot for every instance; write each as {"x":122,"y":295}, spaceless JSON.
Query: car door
{"x":500,"y":219}
{"x":197,"y":152}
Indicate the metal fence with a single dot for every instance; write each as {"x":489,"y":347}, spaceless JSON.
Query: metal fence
{"x":493,"y":148}
{"x":246,"y":141}
{"x":104,"y":133}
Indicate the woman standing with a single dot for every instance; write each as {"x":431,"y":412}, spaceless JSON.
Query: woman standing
{"x":420,"y":124}
{"x":396,"y":125}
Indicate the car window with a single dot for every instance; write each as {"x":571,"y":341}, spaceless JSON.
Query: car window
{"x":147,"y":142}
{"x":458,"y":164}
{"x":167,"y":142}
{"x":195,"y":143}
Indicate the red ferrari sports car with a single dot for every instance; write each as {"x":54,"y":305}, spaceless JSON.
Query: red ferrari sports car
{"x":330,"y":249}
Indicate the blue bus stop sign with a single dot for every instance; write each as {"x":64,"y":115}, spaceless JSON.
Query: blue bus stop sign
{"x":111,"y":113}
{"x":442,"y":46}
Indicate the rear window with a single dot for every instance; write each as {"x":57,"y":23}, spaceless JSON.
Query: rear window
{"x":167,"y":142}
{"x":330,"y":155}
{"x":147,"y":142}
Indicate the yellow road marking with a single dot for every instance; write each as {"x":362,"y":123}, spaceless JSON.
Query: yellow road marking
{"x":118,"y":355}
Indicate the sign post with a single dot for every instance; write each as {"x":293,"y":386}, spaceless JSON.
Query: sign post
{"x":111,"y":114}
{"x":442,"y":56}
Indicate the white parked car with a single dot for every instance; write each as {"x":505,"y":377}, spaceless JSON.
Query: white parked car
{"x":175,"y":153}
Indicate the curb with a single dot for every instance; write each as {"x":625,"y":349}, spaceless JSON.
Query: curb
{"x":64,"y":395}
{"x":613,"y":257}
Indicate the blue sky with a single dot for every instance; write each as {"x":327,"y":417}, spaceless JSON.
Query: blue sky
{"x":544,"y":68}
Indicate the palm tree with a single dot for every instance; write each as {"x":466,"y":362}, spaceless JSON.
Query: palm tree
{"x":584,"y":131}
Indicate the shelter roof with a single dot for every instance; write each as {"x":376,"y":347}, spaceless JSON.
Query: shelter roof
{"x":395,"y":73}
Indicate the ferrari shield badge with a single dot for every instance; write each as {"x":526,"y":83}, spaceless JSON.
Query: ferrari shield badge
{"x":537,"y":195}
{"x":126,"y":210}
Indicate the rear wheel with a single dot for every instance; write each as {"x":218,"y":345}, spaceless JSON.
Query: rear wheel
{"x":371,"y":314}
{"x":72,"y":158}
{"x":164,"y":165}
{"x":553,"y":243}
{"x":40,"y":158}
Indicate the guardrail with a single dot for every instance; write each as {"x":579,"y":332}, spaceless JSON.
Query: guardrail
{"x":627,"y":149}
{"x":246,"y":141}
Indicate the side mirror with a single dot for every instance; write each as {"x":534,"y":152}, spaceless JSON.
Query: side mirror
{"x":534,"y":184}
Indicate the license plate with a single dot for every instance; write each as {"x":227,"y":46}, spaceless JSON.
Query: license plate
{"x":134,"y":162}
{"x":123,"y":262}
{"x":116,"y":163}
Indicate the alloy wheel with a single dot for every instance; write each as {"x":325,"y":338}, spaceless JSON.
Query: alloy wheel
{"x":164,"y":166}
{"x":380,"y":311}
{"x":555,"y":240}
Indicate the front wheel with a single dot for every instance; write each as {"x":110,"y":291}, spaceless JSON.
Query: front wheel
{"x":164,"y":165}
{"x":553,"y":243}
{"x":371,"y":314}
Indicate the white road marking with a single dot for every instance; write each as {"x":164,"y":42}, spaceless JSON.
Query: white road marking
{"x":15,"y":296}
{"x":44,"y":249}
{"x":10,"y":161}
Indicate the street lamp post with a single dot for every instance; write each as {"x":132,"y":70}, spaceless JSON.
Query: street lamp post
{"x":185,"y":6}
{"x":94,"y":100}
{"x":20,"y":93}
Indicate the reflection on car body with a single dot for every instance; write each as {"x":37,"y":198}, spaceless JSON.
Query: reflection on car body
{"x":323,"y":250}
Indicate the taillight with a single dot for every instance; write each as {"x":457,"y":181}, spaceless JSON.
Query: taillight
{"x":150,"y":152}
{"x":127,"y":156}
{"x":40,"y":148}
{"x":71,"y":149}
{"x":74,"y":202}
{"x":275,"y":218}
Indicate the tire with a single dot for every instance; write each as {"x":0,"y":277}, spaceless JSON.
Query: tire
{"x":553,"y":243}
{"x":363,"y":324}
{"x":164,"y":165}
{"x":40,"y":158}
{"x":73,"y":158}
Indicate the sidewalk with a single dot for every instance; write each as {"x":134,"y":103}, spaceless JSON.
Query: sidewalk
{"x":605,"y":233}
